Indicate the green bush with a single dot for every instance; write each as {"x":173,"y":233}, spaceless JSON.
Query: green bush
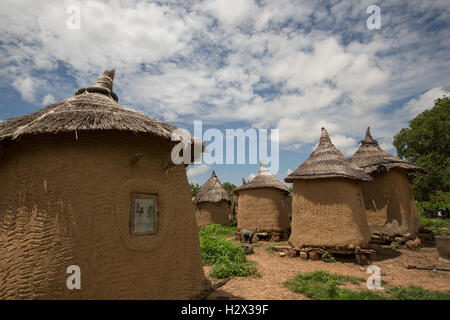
{"x":226,"y":259}
{"x":438,"y":226}
{"x":328,"y":257}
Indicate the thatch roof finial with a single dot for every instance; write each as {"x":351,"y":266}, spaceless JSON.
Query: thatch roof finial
{"x":243,"y":181}
{"x":103,"y":85}
{"x":213,"y":174}
{"x":368,"y":138}
{"x":324,"y":137}
{"x":105,"y":80}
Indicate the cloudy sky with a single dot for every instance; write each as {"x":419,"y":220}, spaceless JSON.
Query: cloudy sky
{"x":291,"y":65}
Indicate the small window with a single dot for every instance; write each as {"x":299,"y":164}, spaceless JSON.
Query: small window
{"x":358,"y":199}
{"x":144,"y":214}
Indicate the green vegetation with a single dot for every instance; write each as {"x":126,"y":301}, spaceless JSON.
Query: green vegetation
{"x":328,"y":257}
{"x":427,"y":143}
{"x":438,"y":226}
{"x":226,"y":258}
{"x":194,"y":189}
{"x":229,"y":187}
{"x":323,"y":285}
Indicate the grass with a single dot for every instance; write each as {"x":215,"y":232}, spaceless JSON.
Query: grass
{"x":323,"y":285}
{"x":438,"y":226}
{"x":226,"y":259}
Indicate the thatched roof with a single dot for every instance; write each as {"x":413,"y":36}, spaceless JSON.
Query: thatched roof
{"x":264,"y":179}
{"x":327,"y":162}
{"x":212,"y":191}
{"x":92,"y":108}
{"x":371,"y":158}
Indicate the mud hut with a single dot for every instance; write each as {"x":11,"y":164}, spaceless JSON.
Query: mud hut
{"x":235,"y":202}
{"x":327,"y":201}
{"x":87,"y":182}
{"x":388,"y":199}
{"x":213,"y":203}
{"x":263,"y":203}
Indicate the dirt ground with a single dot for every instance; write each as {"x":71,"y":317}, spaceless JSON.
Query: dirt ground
{"x":274,"y":270}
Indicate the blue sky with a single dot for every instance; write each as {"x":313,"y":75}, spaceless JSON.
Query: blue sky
{"x":291,"y":65}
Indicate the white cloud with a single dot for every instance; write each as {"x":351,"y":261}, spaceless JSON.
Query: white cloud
{"x":26,"y":87}
{"x":425,"y":101}
{"x":197,"y":171}
{"x":251,"y":176}
{"x":48,"y":99}
{"x":295,"y":66}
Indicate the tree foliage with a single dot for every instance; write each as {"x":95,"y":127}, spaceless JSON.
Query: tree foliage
{"x":427,"y":143}
{"x":194,"y":189}
{"x":229,"y":187}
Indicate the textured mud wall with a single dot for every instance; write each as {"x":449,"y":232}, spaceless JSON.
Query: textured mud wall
{"x":213,"y":213}
{"x":326,"y":212}
{"x":389,"y":203}
{"x":262,"y":209}
{"x":67,"y":202}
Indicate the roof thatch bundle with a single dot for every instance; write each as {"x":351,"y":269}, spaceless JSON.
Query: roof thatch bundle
{"x":92,"y":108}
{"x":371,"y":158}
{"x":212,"y":191}
{"x":327,"y":162}
{"x":264,"y":179}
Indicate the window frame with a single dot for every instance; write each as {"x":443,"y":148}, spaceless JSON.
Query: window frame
{"x":134,"y":197}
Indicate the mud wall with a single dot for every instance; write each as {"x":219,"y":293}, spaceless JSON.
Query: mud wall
{"x":66,"y":201}
{"x":389,"y":203}
{"x":326,"y":212}
{"x":213,"y":213}
{"x":263,"y":209}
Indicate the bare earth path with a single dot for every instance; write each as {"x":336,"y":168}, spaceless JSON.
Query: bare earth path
{"x":275,"y":270}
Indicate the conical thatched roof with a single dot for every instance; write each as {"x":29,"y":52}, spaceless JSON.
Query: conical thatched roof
{"x":327,"y":162}
{"x":370,"y":157}
{"x":264,"y":179}
{"x":212,"y":191}
{"x":92,"y":108}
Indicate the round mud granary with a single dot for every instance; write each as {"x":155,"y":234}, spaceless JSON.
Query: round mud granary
{"x":86,"y":182}
{"x":388,"y":199}
{"x":213,"y":203}
{"x":263,"y":203}
{"x":327,"y":202}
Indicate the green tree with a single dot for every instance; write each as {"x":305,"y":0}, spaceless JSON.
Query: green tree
{"x":427,"y":143}
{"x":194,"y":189}
{"x":229,"y":187}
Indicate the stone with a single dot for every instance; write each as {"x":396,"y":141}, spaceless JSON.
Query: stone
{"x":304,"y":255}
{"x":443,"y":247}
{"x":413,"y":244}
{"x":248,"y":249}
{"x":292,"y":253}
{"x":282,"y":254}
{"x":314,"y":256}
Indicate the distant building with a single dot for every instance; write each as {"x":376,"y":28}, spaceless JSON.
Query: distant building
{"x":327,"y":201}
{"x":213,"y":203}
{"x":263,"y":203}
{"x":388,"y":199}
